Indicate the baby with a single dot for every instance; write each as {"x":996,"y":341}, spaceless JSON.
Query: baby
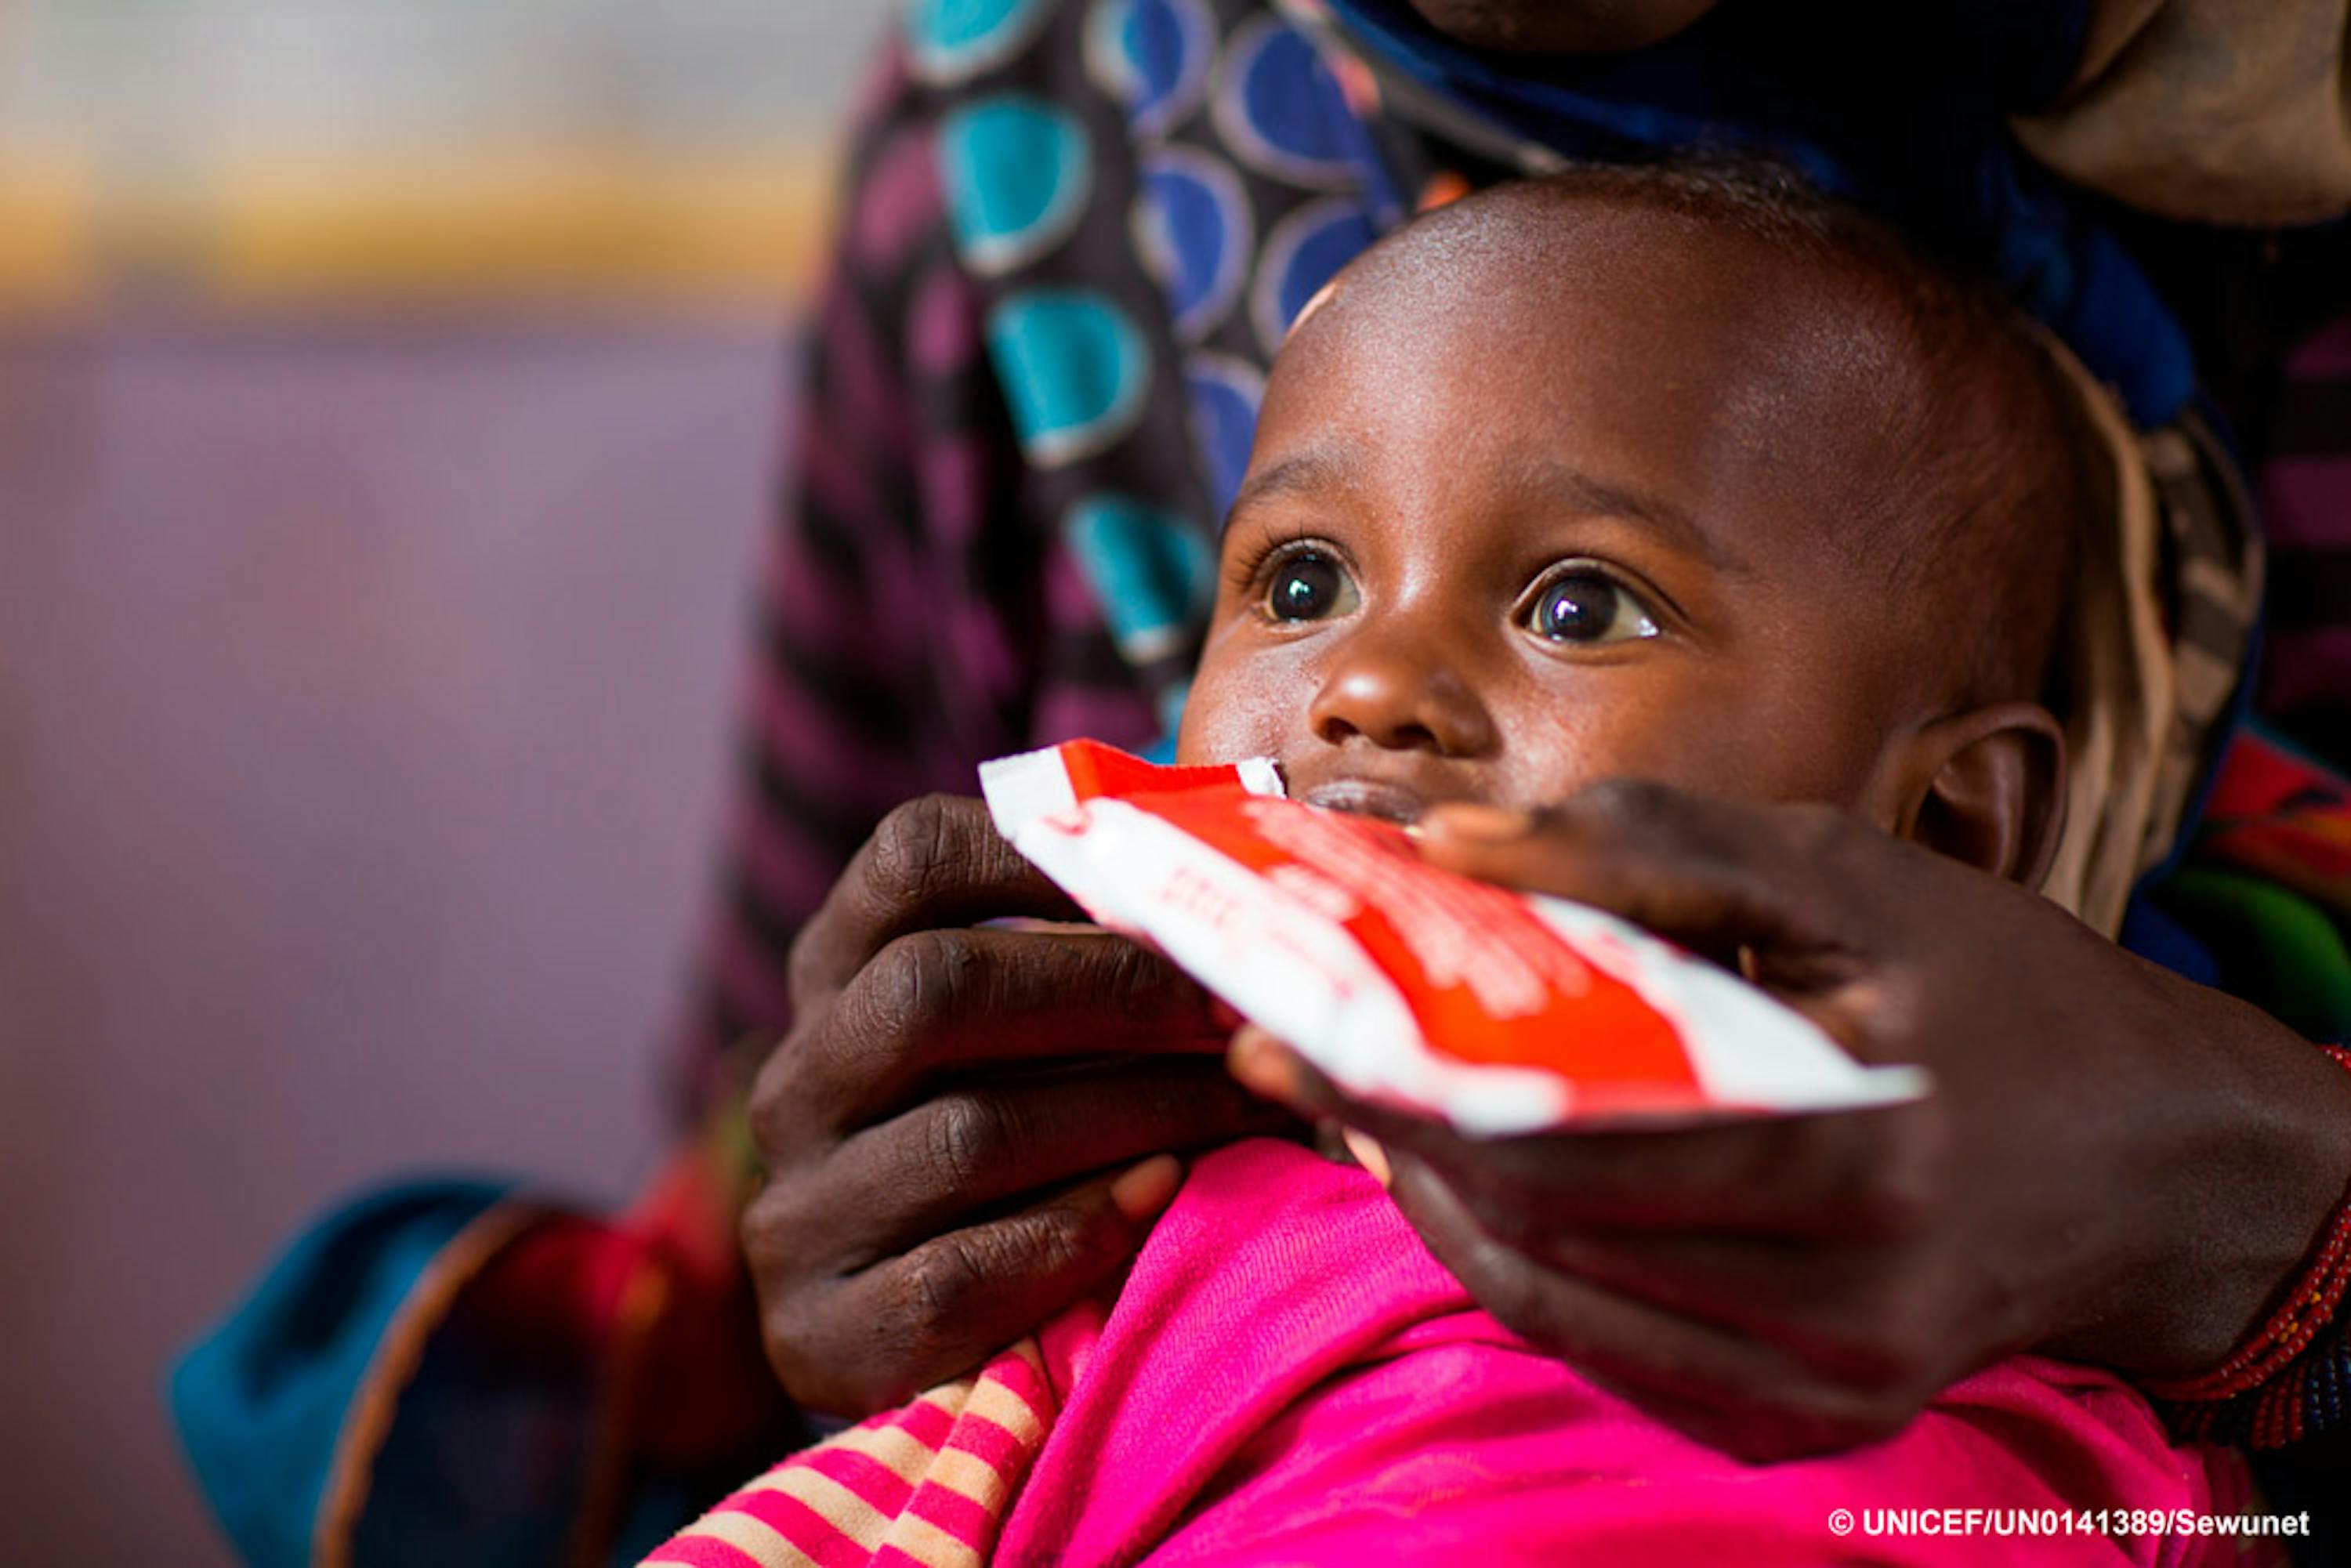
{"x":1685,"y":477}
{"x":1663,"y":476}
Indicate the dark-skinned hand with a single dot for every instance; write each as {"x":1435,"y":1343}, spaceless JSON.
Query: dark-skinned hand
{"x":966,"y":1128}
{"x":2116,"y":1164}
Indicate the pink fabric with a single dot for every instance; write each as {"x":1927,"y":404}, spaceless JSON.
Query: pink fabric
{"x":1287,"y":1376}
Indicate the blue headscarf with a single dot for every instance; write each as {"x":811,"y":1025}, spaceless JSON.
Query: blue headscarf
{"x":1821,"y":89}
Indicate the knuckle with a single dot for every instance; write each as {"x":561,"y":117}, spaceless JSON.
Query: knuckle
{"x":941,"y":1281}
{"x":761,"y":1231}
{"x":773,"y":1108}
{"x":965,"y":1134}
{"x":1066,"y":1240}
{"x":804,"y":981}
{"x":774,"y":1234}
{"x":918,"y":982}
{"x":918,"y":846}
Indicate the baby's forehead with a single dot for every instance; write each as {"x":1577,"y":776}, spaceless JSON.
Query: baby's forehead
{"x":1579,"y":317}
{"x":1525,"y":256}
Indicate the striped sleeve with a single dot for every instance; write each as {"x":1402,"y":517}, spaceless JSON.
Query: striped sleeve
{"x":924,"y":1486}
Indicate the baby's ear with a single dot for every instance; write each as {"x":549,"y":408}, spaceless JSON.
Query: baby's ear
{"x":1988,"y":787}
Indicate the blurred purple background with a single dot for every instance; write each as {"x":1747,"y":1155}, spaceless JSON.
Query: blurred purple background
{"x":363,"y":704}
{"x":390,"y":412}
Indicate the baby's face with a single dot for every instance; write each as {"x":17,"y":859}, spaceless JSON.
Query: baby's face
{"x":1511,"y":529}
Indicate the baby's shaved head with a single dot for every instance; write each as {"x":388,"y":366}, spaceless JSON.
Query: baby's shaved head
{"x":1954,"y":454}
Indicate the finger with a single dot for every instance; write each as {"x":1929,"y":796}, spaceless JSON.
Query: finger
{"x":949,"y":1159}
{"x":1368,"y":1153}
{"x":1724,"y":1387}
{"x":876,"y":1338}
{"x":1859,"y":1175}
{"x":937,"y":861}
{"x":957,"y":999}
{"x":1713,"y":876}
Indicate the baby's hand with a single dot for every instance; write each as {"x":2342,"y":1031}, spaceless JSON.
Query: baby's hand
{"x":966,"y":1128}
{"x":2114,"y":1164}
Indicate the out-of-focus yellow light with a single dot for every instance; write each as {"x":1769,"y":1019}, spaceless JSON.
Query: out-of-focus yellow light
{"x":728,"y":233}
{"x":620,"y":228}
{"x":48,"y":232}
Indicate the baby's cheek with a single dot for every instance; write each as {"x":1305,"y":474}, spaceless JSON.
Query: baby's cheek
{"x":1238,"y":708}
{"x":1200,"y":739}
{"x":1635,"y":723}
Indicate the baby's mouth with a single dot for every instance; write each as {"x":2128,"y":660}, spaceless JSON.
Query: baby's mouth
{"x":1367,"y":798}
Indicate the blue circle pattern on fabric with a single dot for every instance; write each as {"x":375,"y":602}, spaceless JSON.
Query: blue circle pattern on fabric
{"x":1017,"y":172}
{"x":1151,"y":571}
{"x":1278,"y":105}
{"x":1194,"y":229}
{"x":1153,"y":56}
{"x":1304,"y":252}
{"x":1075,"y":369}
{"x":953,"y":40}
{"x":1225,"y":394}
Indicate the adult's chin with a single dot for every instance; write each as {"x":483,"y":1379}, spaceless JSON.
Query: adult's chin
{"x":1561,"y":27}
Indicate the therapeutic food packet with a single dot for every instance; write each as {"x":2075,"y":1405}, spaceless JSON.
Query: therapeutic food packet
{"x":1500,"y":1012}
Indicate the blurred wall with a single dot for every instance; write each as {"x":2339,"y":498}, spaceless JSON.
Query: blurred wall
{"x":368,"y":631}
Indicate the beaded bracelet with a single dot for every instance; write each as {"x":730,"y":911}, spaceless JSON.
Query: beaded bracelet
{"x":2249,"y":1399}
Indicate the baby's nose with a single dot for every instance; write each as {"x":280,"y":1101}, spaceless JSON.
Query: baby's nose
{"x":1400,"y":695}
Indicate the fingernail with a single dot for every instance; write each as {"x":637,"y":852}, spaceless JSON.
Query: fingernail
{"x":1262,"y":1063}
{"x":1472,"y":821}
{"x":1368,"y":1154}
{"x":1147,"y":1188}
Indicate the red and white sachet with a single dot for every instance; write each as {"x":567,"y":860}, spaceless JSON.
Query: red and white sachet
{"x":1500,"y":1012}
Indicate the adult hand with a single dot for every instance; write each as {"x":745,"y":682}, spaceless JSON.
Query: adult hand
{"x":2115,"y":1165}
{"x":966,"y":1129}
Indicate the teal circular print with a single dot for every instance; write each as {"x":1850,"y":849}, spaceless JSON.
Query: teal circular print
{"x":1152,"y":572}
{"x":1016,"y":171}
{"x":1074,"y":367}
{"x":953,"y":40}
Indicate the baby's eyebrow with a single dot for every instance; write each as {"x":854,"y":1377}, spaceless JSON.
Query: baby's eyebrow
{"x":1590,"y":494}
{"x":1322,"y":468}
{"x":1316,"y":468}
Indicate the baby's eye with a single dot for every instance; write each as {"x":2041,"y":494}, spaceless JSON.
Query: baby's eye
{"x":1586,"y":607}
{"x":1308,"y":586}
